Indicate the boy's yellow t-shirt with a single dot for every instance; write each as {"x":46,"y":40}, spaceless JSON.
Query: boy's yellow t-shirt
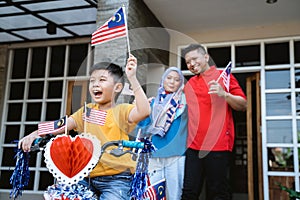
{"x":116,"y":127}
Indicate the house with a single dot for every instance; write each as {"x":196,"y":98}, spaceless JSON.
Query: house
{"x":46,"y":54}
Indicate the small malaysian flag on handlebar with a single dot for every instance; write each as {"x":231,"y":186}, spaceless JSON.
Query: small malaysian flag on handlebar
{"x":56,"y":126}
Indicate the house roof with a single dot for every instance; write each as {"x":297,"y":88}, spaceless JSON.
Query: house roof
{"x":28,"y":20}
{"x":31,"y":20}
{"x":203,"y":15}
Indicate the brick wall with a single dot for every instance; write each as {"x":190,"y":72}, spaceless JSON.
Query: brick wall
{"x":139,"y":20}
{"x":147,"y":34}
{"x":148,"y":40}
{"x":113,"y":50}
{"x":146,"y":31}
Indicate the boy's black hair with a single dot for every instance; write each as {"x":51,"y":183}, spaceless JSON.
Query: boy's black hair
{"x":115,"y":70}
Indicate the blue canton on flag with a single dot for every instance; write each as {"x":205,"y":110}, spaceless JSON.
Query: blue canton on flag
{"x":56,"y":126}
{"x":156,"y":191}
{"x":117,"y":19}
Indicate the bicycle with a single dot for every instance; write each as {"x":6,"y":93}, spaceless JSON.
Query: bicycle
{"x":71,"y":184}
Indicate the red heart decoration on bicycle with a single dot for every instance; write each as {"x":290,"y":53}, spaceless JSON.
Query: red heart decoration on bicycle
{"x":71,"y":159}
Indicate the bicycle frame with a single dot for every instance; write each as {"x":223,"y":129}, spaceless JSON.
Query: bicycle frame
{"x":121,"y":148}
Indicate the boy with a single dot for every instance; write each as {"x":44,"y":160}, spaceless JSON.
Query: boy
{"x":112,"y":175}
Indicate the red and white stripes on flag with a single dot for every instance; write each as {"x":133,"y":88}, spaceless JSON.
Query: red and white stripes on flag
{"x":94,"y":116}
{"x":52,"y":127}
{"x":150,"y":194}
{"x":155,"y":191}
{"x":114,"y":28}
{"x":225,"y":75}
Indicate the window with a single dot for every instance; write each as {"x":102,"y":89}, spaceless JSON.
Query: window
{"x":19,"y":63}
{"x":297,"y":51}
{"x":277,"y":53}
{"x":57,"y":63}
{"x":35,"y":94}
{"x":247,"y":55}
{"x":220,"y":55}
{"x":77,"y":62}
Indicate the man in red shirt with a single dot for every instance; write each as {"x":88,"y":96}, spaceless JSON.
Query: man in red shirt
{"x":210,"y":127}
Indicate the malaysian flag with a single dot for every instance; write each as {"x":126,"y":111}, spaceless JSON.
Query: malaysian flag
{"x":94,"y":116}
{"x":56,"y":126}
{"x":114,"y":28}
{"x":156,"y":191}
{"x":225,"y":75}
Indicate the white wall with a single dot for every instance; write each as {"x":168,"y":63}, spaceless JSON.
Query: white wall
{"x":154,"y":75}
{"x":233,"y":34}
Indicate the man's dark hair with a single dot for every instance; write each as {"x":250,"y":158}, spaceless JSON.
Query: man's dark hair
{"x":200,"y":49}
{"x":193,"y":47}
{"x":115,"y":70}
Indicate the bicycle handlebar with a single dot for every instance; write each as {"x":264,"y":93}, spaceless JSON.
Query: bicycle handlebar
{"x":39,"y":143}
{"x":124,"y":143}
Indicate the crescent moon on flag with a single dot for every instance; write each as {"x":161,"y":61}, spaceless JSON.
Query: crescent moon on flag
{"x":60,"y":122}
{"x":160,"y":189}
{"x":119,"y":17}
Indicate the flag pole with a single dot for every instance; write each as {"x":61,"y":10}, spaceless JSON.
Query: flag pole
{"x":127,"y":35}
{"x":84,"y":122}
{"x":223,"y":71}
{"x":66,"y":125}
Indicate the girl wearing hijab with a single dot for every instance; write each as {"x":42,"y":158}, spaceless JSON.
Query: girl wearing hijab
{"x":167,"y":127}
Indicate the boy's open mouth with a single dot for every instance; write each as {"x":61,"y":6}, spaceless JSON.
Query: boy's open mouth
{"x":97,"y":93}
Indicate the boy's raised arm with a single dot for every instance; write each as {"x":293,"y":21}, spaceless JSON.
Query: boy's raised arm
{"x":142,"y":108}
